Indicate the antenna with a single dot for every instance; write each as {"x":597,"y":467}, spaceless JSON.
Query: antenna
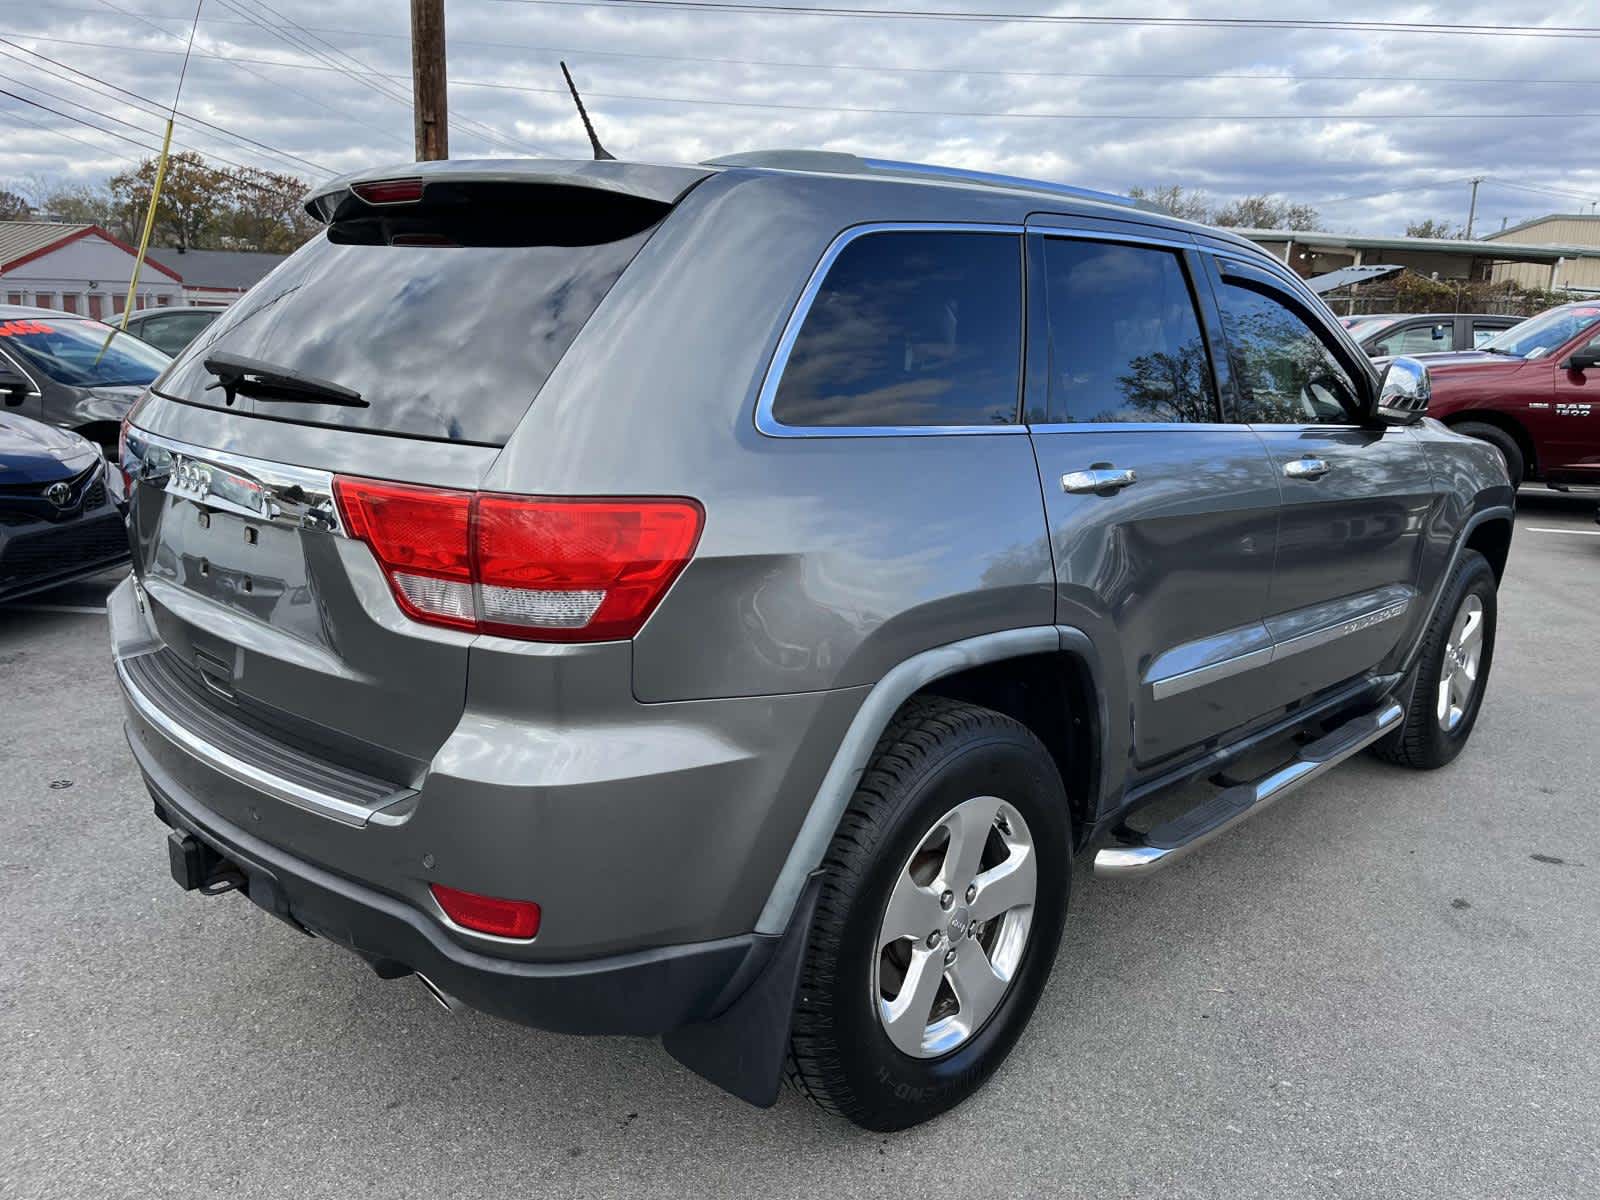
{"x":600,"y":152}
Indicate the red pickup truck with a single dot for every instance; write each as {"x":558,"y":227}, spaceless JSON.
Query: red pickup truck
{"x":1533,"y":391}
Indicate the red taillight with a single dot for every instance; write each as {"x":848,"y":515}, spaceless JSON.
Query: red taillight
{"x":561,"y":570}
{"x":389,"y":191}
{"x":488,"y":914}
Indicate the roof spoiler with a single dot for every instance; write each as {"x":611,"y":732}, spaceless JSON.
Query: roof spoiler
{"x":666,"y":185}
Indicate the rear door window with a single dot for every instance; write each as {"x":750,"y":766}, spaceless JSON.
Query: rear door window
{"x":1125,"y":342}
{"x":910,"y":329}
{"x":1428,"y":338}
{"x":447,"y":324}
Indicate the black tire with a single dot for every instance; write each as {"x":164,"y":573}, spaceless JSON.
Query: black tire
{"x":936,"y":754}
{"x":1516,"y":465}
{"x":1422,"y":741}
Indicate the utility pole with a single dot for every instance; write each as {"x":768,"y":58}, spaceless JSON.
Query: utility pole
{"x":1472,"y":208}
{"x":428,"y":79}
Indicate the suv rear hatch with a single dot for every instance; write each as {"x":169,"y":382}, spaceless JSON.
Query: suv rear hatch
{"x":403,"y":344}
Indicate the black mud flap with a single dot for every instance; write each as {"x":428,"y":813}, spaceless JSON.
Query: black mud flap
{"x":742,"y":1049}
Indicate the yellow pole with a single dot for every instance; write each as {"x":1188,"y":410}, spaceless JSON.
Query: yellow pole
{"x":149,"y":224}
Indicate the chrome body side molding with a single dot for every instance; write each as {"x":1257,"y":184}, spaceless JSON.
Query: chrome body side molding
{"x":1232,"y":652}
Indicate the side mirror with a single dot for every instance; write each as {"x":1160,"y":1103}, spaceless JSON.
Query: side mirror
{"x":14,"y":386}
{"x":1403,"y":392}
{"x":1582,"y":360}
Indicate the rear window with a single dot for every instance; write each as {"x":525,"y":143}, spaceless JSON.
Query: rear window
{"x":448,"y":322}
{"x":910,"y":329}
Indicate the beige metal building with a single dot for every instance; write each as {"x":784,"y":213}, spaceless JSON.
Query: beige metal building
{"x":1557,"y":229}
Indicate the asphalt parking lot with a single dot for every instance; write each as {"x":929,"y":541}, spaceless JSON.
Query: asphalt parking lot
{"x":1384,"y":986}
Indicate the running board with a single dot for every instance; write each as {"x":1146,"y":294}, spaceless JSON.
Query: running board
{"x":1173,"y":839}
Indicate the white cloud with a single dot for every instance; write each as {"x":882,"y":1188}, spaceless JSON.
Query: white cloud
{"x":1133,"y":120}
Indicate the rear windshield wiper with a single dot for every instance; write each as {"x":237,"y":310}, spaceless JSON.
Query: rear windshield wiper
{"x":253,"y":377}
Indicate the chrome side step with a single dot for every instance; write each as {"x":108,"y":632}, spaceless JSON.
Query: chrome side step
{"x":1173,"y":839}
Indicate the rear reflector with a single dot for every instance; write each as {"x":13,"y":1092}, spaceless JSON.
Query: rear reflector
{"x":390,"y":191}
{"x":540,"y":569}
{"x":488,"y":914}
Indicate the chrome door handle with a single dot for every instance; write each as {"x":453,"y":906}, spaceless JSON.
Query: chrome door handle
{"x":1103,"y":480}
{"x":1305,"y":468}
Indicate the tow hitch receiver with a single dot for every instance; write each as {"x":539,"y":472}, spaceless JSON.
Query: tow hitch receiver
{"x":197,"y":867}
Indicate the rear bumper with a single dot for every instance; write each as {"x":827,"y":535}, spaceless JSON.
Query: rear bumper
{"x":646,"y":992}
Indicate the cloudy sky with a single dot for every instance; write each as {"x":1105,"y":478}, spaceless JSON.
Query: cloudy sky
{"x":1327,"y":117}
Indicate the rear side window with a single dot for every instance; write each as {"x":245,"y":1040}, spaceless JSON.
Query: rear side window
{"x":1125,"y":342}
{"x":910,"y":329}
{"x":1417,"y":339}
{"x":447,"y":321}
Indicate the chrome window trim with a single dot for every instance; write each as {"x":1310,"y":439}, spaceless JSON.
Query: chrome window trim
{"x":298,"y":497}
{"x":25,"y":373}
{"x":769,"y":425}
{"x":1129,"y":236}
{"x":1136,"y":427}
{"x":308,"y":799}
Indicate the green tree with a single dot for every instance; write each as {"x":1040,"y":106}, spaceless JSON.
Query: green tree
{"x":1432,"y":228}
{"x":14,"y":207}
{"x":1267,"y":212}
{"x":194,"y":195}
{"x":265,"y":212}
{"x":80,"y":203}
{"x":1190,"y":204}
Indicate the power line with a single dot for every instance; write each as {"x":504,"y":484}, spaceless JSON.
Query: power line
{"x":318,"y":101}
{"x":261,"y":187}
{"x":95,"y":84}
{"x":1040,"y":116}
{"x":364,"y":75}
{"x":935,"y":14}
{"x":55,"y":132}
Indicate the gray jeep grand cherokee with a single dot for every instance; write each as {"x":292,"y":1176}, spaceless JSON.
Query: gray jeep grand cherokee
{"x":722,"y":602}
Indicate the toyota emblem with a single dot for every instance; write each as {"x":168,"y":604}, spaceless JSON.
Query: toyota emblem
{"x":58,"y":494}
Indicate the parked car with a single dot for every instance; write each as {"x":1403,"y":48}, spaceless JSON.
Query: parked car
{"x":72,"y":372}
{"x":1385,"y":335}
{"x":680,"y":646}
{"x":59,"y":521}
{"x":171,"y":329}
{"x":1531,"y":393}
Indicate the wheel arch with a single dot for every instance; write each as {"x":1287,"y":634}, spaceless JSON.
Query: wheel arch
{"x":1007,"y":671}
{"x":1492,"y":539}
{"x":1508,"y":425}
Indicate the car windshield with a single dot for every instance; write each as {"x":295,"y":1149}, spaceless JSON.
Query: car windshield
{"x":1538,"y":336}
{"x":82,"y":353}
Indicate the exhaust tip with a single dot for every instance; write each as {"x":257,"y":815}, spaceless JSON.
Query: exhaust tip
{"x":446,"y":1001}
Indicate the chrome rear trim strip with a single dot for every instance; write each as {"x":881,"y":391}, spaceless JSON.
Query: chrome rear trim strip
{"x":297,"y":497}
{"x":320,"y":803}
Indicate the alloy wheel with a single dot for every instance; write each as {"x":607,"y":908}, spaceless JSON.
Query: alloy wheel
{"x":1458,"y":677}
{"x":955,"y":927}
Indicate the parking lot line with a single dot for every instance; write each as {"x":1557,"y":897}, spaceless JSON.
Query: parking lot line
{"x":1552,"y":529}
{"x":63,"y":608}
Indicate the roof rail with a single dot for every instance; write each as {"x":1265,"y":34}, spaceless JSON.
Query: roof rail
{"x":852,"y":164}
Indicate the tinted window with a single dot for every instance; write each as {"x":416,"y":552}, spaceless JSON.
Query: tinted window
{"x":1125,"y":343}
{"x":443,"y":341}
{"x":1417,"y":339}
{"x":911,"y":329}
{"x":1282,"y":370}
